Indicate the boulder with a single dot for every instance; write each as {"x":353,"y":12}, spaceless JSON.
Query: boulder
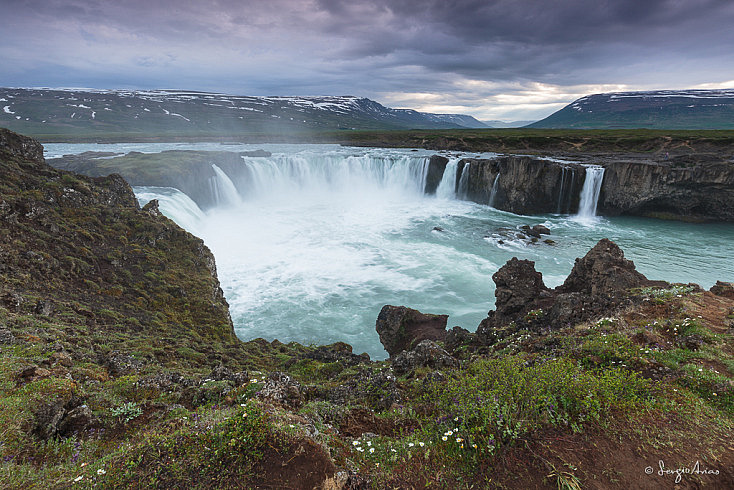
{"x":542,"y":229}
{"x":76,"y":421}
{"x":603,"y":271}
{"x":400,"y":328}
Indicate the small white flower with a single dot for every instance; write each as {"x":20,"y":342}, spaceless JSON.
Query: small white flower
{"x":253,"y":380}
{"x":369,"y":443}
{"x":459,"y":439}
{"x":372,"y":450}
{"x":79,"y":478}
{"x":291,"y":425}
{"x":444,"y":438}
{"x":101,"y":471}
{"x":242,"y":405}
{"x":355,"y":443}
{"x":421,"y":444}
{"x":360,"y":449}
{"x":410,"y":444}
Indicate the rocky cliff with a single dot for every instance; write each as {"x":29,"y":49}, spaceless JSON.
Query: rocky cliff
{"x":686,"y":187}
{"x":85,"y":245}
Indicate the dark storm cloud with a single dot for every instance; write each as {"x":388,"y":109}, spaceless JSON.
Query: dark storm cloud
{"x":372,"y":48}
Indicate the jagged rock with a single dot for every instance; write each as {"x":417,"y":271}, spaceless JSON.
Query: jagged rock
{"x":598,"y":282}
{"x":518,"y":287}
{"x":602,"y":271}
{"x":725,"y":289}
{"x":400,"y":327}
{"x":437,"y":228}
{"x":426,"y":354}
{"x":152,"y":208}
{"x":282,"y":389}
{"x":458,"y":337}
{"x":436,"y":168}
{"x":542,"y":229}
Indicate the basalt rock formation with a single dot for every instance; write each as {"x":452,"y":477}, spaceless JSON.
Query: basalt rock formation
{"x":401,"y":328}
{"x":686,"y":187}
{"x":597,"y":284}
{"x":436,"y":168}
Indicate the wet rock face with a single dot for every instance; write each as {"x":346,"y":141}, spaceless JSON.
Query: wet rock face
{"x":436,"y":168}
{"x":400,"y":328}
{"x":603,"y":270}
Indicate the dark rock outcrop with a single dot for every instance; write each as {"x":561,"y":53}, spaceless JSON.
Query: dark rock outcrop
{"x":401,"y":328}
{"x":690,"y":187}
{"x":598,"y":283}
{"x":426,"y":354}
{"x":602,"y":271}
{"x":725,"y":289}
{"x":436,"y":168}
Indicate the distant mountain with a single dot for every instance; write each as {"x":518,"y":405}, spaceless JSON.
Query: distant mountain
{"x":663,"y":109}
{"x":173,"y":112}
{"x":504,"y":124}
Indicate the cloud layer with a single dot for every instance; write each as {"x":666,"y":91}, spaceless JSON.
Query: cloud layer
{"x":494,"y":59}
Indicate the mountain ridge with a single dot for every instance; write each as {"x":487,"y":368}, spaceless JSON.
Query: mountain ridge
{"x":44,"y":111}
{"x":660,"y":109}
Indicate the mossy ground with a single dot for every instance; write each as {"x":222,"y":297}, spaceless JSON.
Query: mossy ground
{"x":140,"y":344}
{"x":589,"y":407}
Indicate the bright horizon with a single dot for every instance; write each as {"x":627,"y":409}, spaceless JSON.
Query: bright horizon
{"x":494,"y":60}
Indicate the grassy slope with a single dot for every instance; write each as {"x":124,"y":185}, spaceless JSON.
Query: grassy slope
{"x":591,"y":405}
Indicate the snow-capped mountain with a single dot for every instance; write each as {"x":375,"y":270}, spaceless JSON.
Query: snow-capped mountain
{"x":662,"y":109}
{"x":42,"y":111}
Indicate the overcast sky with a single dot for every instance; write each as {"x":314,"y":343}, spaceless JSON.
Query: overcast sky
{"x":493,"y":59}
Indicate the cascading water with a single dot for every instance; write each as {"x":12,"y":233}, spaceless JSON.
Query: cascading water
{"x":463,"y":186}
{"x":590,"y":191}
{"x":447,"y":187}
{"x":174,"y":204}
{"x":223,"y":189}
{"x":493,"y":192}
{"x":324,"y":236}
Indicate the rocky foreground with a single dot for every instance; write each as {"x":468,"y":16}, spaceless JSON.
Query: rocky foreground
{"x":119,"y":368}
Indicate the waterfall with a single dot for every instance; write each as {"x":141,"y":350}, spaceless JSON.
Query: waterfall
{"x":568,"y":179}
{"x":284,"y":175}
{"x":590,"y":192}
{"x":447,"y":188}
{"x":223,"y":189}
{"x":463,"y":182}
{"x":174,"y":204}
{"x":493,"y":192}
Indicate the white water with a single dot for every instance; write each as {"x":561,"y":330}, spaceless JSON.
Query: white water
{"x":590,"y":192}
{"x":447,"y":187}
{"x":224,"y":191}
{"x":324,"y":236}
{"x":463,"y":182}
{"x":493,"y":192}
